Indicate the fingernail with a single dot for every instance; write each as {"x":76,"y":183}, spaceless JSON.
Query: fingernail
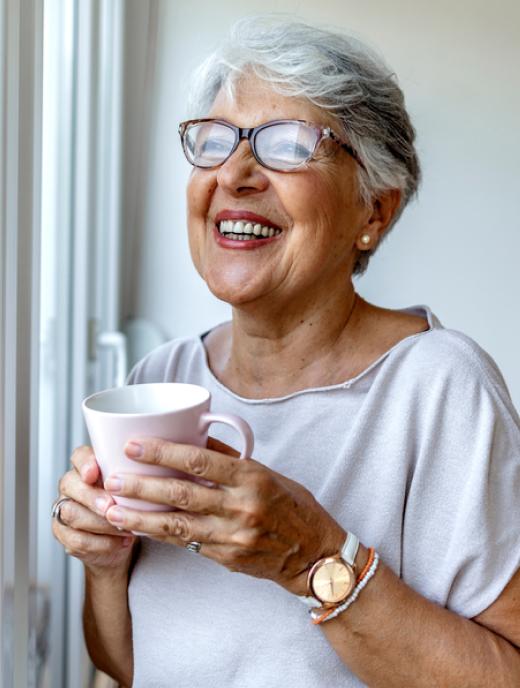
{"x":134,"y":450}
{"x":127,"y":541}
{"x":115,"y":514}
{"x":113,"y":484}
{"x":102,"y":504}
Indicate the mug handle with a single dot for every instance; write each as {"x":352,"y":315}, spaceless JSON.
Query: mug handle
{"x":240,"y":425}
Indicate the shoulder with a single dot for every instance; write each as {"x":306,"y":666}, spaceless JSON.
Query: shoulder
{"x":447,"y":403}
{"x":167,"y":362}
{"x":416,"y":333}
{"x":413,"y":341}
{"x":443,"y":373}
{"x":453,"y":395}
{"x":446,"y":353}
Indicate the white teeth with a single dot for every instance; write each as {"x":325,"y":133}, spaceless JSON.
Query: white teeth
{"x":246,"y":230}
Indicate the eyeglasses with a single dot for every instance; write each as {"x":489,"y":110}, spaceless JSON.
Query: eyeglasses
{"x":283,"y":146}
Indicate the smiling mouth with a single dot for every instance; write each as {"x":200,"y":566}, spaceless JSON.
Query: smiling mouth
{"x":246,"y":231}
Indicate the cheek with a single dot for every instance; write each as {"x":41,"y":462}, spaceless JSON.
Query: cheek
{"x":199,"y":192}
{"x":315,"y":206}
{"x":198,"y":195}
{"x":201,"y":185}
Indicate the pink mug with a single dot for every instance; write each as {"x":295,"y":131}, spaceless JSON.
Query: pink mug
{"x":172,"y":411}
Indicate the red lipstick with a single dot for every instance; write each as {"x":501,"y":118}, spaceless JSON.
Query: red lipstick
{"x":246,"y":245}
{"x":244,"y":215}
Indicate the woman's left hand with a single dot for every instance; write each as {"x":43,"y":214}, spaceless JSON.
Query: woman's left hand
{"x":253,"y":520}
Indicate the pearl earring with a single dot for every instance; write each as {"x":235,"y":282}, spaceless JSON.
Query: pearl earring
{"x":365,"y":239}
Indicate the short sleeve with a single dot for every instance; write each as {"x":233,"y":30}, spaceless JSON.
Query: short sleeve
{"x":461,"y":528}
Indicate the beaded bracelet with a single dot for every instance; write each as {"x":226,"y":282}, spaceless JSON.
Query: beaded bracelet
{"x":361,"y":582}
{"x":371,"y":557}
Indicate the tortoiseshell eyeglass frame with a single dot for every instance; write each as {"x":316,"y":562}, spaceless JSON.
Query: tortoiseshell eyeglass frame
{"x":250,"y":134}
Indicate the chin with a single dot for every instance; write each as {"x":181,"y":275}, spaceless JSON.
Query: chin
{"x":234,"y":286}
{"x":234,"y":298}
{"x":235,"y":295}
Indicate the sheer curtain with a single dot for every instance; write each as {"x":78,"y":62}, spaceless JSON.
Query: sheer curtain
{"x":61,"y":115}
{"x":82,"y":110}
{"x":20,"y":147}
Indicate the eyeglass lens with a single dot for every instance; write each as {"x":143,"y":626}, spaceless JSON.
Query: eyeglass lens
{"x":283,"y":146}
{"x":208,"y":143}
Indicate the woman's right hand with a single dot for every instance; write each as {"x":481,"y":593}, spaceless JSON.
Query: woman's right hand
{"x":87,"y":534}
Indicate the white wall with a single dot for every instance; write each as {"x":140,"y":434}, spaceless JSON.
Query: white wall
{"x":457,"y":248}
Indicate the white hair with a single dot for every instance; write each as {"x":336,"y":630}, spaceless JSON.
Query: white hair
{"x":334,"y":70}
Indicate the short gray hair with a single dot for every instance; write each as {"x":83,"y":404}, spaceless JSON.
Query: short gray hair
{"x":334,"y":70}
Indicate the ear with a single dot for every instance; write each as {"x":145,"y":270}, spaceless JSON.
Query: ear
{"x":380,"y":216}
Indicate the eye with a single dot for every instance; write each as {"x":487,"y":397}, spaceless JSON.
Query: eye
{"x":209,"y":144}
{"x":213,"y":147}
{"x":289,"y":149}
{"x":285,"y":145}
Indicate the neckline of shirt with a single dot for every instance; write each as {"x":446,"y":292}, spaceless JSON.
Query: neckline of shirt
{"x":420,"y":310}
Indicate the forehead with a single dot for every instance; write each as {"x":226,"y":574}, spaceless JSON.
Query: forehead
{"x":253,"y":101}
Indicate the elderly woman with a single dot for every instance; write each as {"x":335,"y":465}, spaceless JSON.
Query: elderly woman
{"x":373,"y":539}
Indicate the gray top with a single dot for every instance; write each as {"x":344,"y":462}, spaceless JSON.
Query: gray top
{"x":419,"y":456}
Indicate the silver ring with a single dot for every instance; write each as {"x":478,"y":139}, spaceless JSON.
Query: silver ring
{"x":194,"y":547}
{"x":55,"y":513}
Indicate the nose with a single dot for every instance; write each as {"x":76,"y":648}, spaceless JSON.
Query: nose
{"x":241,"y":173}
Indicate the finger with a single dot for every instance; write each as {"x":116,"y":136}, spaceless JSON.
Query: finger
{"x":78,"y":517}
{"x":223,"y":541}
{"x":84,"y":461}
{"x":218,"y":446}
{"x":179,"y":527}
{"x":93,"y":497}
{"x":201,"y":462}
{"x":93,"y":548}
{"x":182,"y":494}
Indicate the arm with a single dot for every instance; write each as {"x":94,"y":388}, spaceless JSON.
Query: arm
{"x":263,"y":524}
{"x":107,"y":623}
{"x":393,"y":637}
{"x":107,"y":554}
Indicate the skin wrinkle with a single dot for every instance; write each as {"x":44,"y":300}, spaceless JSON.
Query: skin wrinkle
{"x":354,"y":637}
{"x":276,"y":303}
{"x":258,"y":520}
{"x":291,"y":299}
{"x":286,"y":225}
{"x":177,"y":493}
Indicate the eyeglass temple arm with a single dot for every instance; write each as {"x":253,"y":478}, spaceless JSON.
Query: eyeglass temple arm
{"x":351,"y":151}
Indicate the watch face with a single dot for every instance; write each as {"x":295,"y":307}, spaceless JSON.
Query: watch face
{"x":332,"y":581}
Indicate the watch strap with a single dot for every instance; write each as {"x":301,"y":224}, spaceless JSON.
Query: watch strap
{"x":350,"y":549}
{"x":348,"y":554}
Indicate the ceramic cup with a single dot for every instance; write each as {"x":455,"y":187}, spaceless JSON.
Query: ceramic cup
{"x":169,"y":410}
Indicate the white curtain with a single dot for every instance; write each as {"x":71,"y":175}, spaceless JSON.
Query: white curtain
{"x":82,"y":125}
{"x":61,"y":121}
{"x":20,"y":148}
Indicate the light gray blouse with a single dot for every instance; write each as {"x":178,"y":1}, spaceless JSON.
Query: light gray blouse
{"x":419,"y":456}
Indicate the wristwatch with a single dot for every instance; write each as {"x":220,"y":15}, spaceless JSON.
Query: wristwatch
{"x":332,"y":580}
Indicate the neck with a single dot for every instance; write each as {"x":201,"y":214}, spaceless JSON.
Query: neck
{"x":281,"y":353}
